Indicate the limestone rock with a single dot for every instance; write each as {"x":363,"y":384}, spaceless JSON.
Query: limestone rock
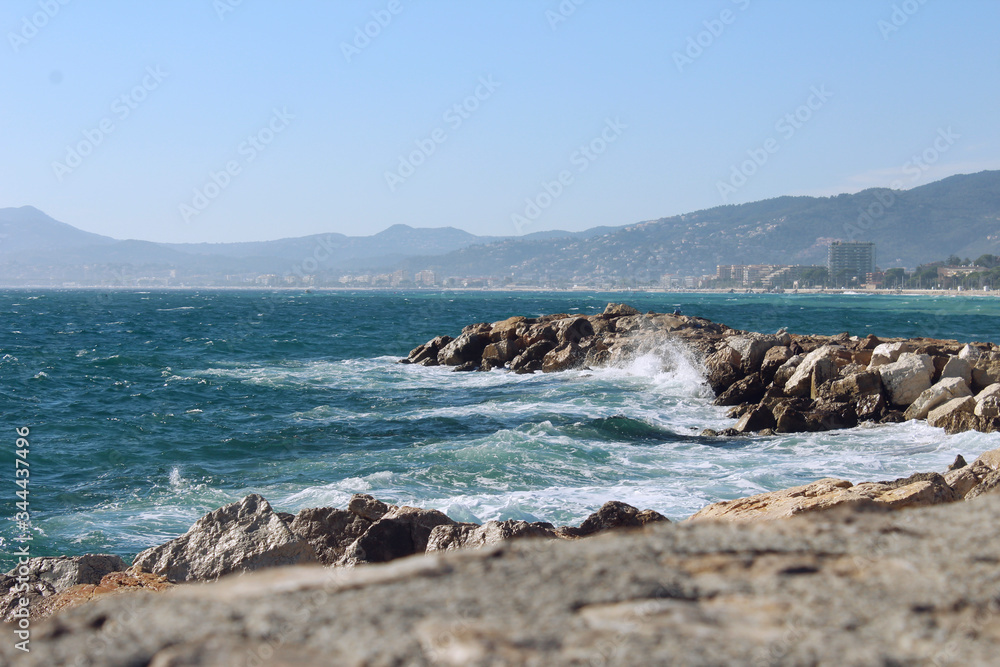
{"x":403,"y":531}
{"x":989,"y":484}
{"x":448,"y":537}
{"x":787,"y":370}
{"x":961,"y":480}
{"x":500,"y":352}
{"x":47,"y":577}
{"x":613,"y":515}
{"x":956,"y":367}
{"x":986,"y":372}
{"x":508,"y":329}
{"x":618,"y":310}
{"x":907,"y":377}
{"x":756,"y":419}
{"x":241,"y":537}
{"x":989,"y":460}
{"x":565,"y":356}
{"x":368,"y":507}
{"x":988,"y":402}
{"x":573,"y":329}
{"x":427,"y":354}
{"x":800,"y":383}
{"x":752,"y":348}
{"x":939,"y":415}
{"x":748,"y":390}
{"x":886,"y":353}
{"x":946,"y":389}
{"x":329,"y":531}
{"x":467,"y":347}
{"x":128,"y":581}
{"x":774,"y":359}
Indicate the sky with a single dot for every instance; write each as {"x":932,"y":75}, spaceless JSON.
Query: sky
{"x":245,"y":120}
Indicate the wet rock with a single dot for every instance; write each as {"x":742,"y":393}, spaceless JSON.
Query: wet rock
{"x":611,"y":516}
{"x":501,"y":352}
{"x":241,"y":537}
{"x":789,"y":416}
{"x":466,"y":367}
{"x":800,"y":383}
{"x":573,"y":329}
{"x":752,"y":348}
{"x":723,"y":367}
{"x":470,"y":535}
{"x":827,"y":415}
{"x":748,"y":390}
{"x":757,"y":418}
{"x":427,"y":354}
{"x":467,"y":347}
{"x":946,"y":389}
{"x":906,"y":378}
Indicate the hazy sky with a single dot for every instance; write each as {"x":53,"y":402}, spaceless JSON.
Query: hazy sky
{"x":227,"y":120}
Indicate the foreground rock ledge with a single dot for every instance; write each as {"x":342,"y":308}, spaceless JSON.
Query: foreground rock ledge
{"x":775,"y":383}
{"x":849,"y":587}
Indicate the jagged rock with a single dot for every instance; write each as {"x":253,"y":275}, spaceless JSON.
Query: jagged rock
{"x":869,"y":342}
{"x":467,"y":347}
{"x":824,"y":371}
{"x":757,"y":418}
{"x":800,"y":383}
{"x":956,"y":367}
{"x":668,"y":322}
{"x":512,"y":327}
{"x":128,"y":581}
{"x":827,"y":415}
{"x":906,"y":378}
{"x":752,"y":348}
{"x":618,"y":310}
{"x":988,"y":402}
{"x":789,"y":417}
{"x":470,"y":535}
{"x":774,"y":359}
{"x":723,"y":368}
{"x":989,"y":484}
{"x":50,"y":576}
{"x":986,"y":372}
{"x":573,"y":329}
{"x":787,"y":370}
{"x":241,"y":537}
{"x":601,"y":325}
{"x":970,"y":353}
{"x":426,"y":354}
{"x":947,"y":389}
{"x":368,"y":507}
{"x":631,"y":323}
{"x":613,"y":515}
{"x":826,"y":494}
{"x":466,"y":367}
{"x":329,"y":531}
{"x":563,"y":357}
{"x":961,"y":480}
{"x":748,"y":390}
{"x":403,"y":531}
{"x":887,"y":353}
{"x":943,"y":415}
{"x":501,"y":352}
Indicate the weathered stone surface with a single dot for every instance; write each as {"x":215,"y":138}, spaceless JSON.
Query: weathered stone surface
{"x":870,"y":588}
{"x":501,"y":352}
{"x":989,"y":460}
{"x":723,"y":367}
{"x":827,"y":415}
{"x":128,"y":581}
{"x":829,"y":493}
{"x":613,"y":515}
{"x":467,"y":347}
{"x":748,"y":390}
{"x":956,"y":367}
{"x":368,"y":507}
{"x":939,"y":415}
{"x":757,"y":418}
{"x":403,"y":531}
{"x":563,"y":357}
{"x":986,"y":372}
{"x":619,"y":309}
{"x":787,"y":370}
{"x":531,"y":358}
{"x":469,"y":535}
{"x":990,"y":483}
{"x":329,"y":531}
{"x":906,"y":378}
{"x":752,"y":348}
{"x":988,"y":402}
{"x":46,"y":577}
{"x":507,"y":329}
{"x":774,"y":359}
{"x":573,"y":329}
{"x":945,"y":390}
{"x":426,"y":354}
{"x":800,"y":383}
{"x":886,"y":353}
{"x":241,"y":537}
{"x":961,"y":480}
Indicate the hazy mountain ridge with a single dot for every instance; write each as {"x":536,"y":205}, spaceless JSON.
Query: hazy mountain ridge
{"x":957,"y":215}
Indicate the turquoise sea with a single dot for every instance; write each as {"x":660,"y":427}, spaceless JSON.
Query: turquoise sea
{"x":148,"y":409}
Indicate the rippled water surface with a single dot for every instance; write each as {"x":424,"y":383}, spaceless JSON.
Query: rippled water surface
{"x":149,"y":409}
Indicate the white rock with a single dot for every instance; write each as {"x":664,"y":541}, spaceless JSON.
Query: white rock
{"x":801,"y":381}
{"x":970,"y":354}
{"x":958,"y":368}
{"x":886,"y":353}
{"x":944,"y":391}
{"x":906,"y":378}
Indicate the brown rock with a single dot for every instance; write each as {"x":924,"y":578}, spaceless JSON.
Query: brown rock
{"x":757,"y":418}
{"x":329,"y":531}
{"x":613,"y":515}
{"x":449,"y":537}
{"x":563,"y":357}
{"x":618,"y":310}
{"x":129,"y":581}
{"x":403,"y":531}
{"x":748,"y":390}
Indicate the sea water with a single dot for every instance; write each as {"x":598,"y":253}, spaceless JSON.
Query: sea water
{"x":148,"y":409}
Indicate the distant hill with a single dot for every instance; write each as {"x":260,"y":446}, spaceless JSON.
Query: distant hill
{"x":958,"y":215}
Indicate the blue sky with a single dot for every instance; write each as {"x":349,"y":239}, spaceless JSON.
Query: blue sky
{"x":227,"y":120}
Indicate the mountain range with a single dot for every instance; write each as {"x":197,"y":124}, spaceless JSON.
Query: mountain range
{"x":959,"y":215}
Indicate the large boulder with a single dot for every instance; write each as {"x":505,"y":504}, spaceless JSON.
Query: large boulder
{"x":907,"y":377}
{"x":886,"y":353}
{"x":565,"y":356}
{"x":448,"y":537}
{"x":427,"y":354}
{"x":723,"y":368}
{"x":241,"y":537}
{"x":757,"y":418}
{"x":402,"y":531}
{"x":329,"y":531}
{"x":774,"y":359}
{"x":512,"y":327}
{"x":801,"y":381}
{"x":945,"y":414}
{"x":502,"y":351}
{"x":748,"y":390}
{"x":467,"y":347}
{"x":752,"y":347}
{"x":956,"y":367}
{"x":986,"y":371}
{"x":988,"y":402}
{"x":613,"y":515}
{"x":619,"y":310}
{"x":946,"y":389}
{"x":573,"y":329}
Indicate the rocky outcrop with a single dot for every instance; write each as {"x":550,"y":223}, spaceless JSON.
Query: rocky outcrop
{"x":613,"y":515}
{"x":41,"y":579}
{"x":916,"y":587}
{"x":241,"y":537}
{"x":115,"y":583}
{"x":473,"y":536}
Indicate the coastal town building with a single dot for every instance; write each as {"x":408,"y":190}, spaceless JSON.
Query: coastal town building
{"x":848,"y":260}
